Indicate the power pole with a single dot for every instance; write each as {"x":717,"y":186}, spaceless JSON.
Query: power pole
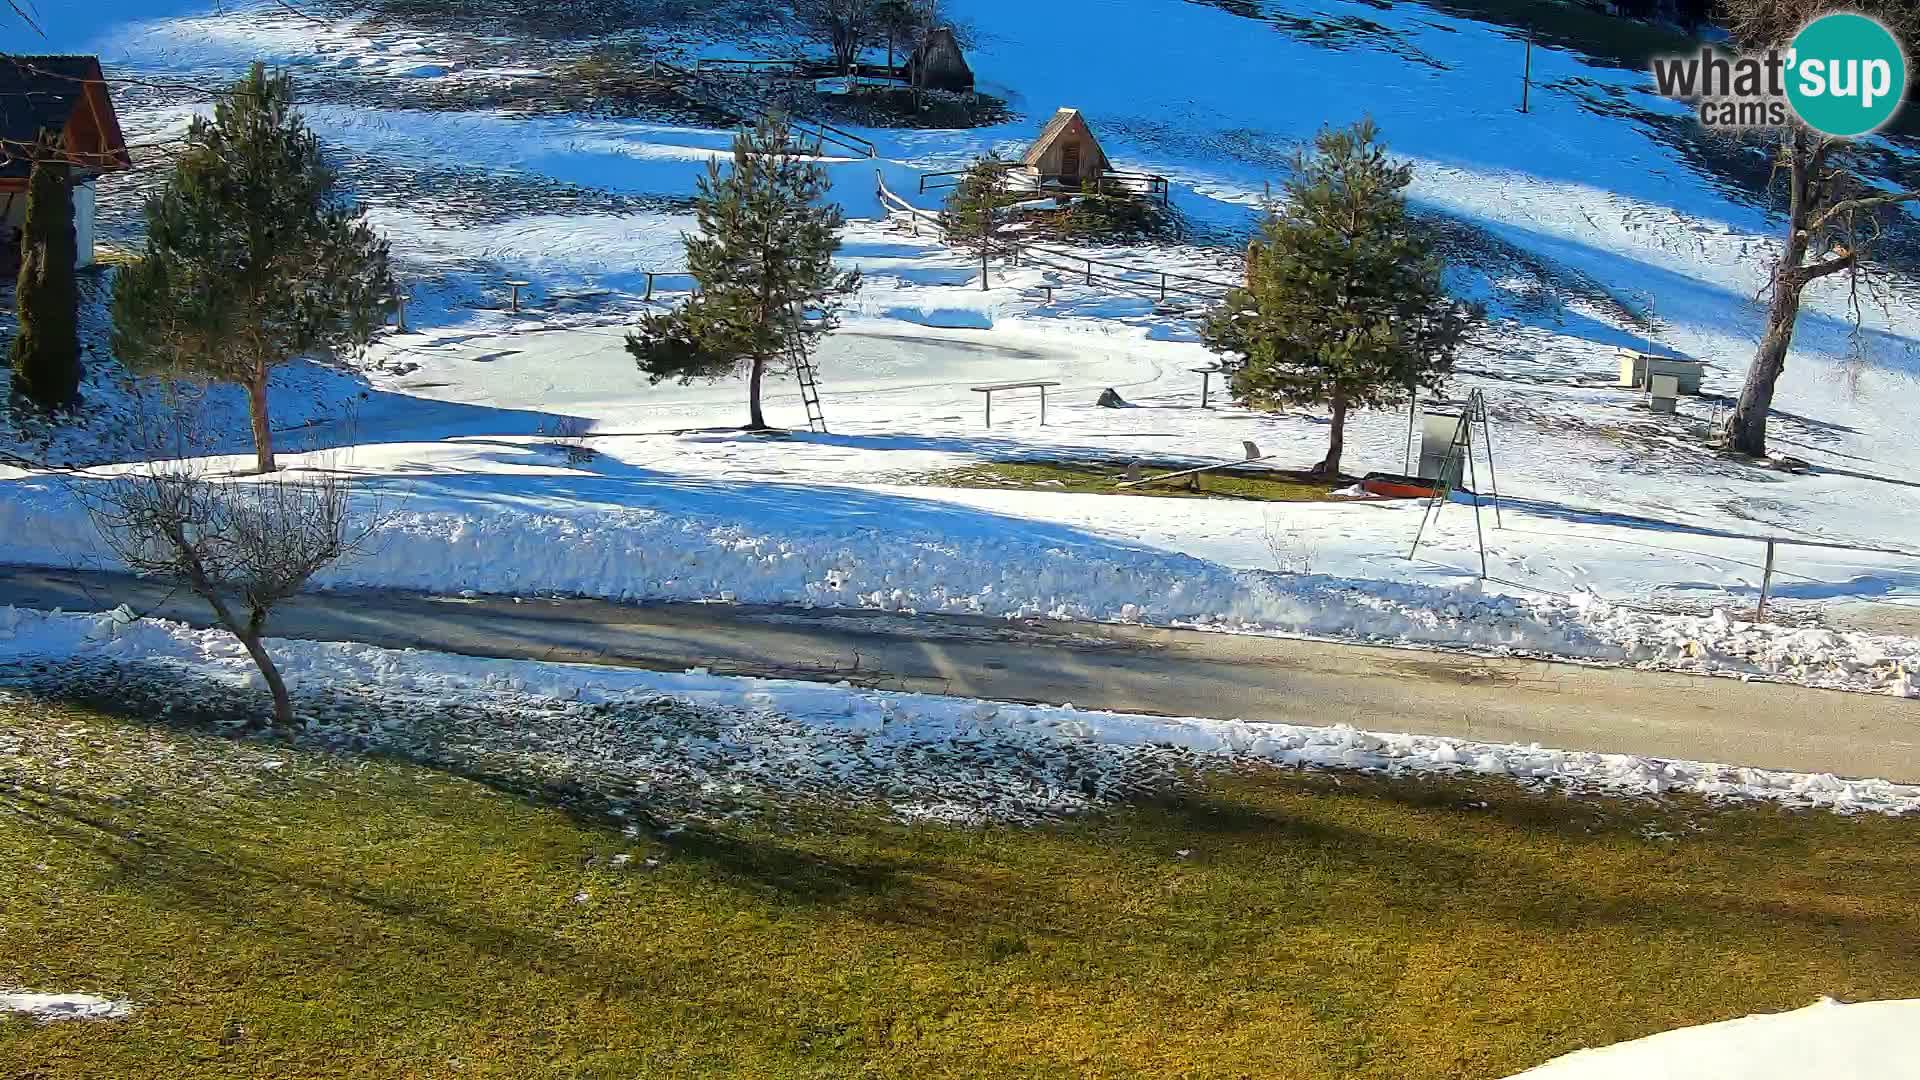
{"x":1526,"y":77}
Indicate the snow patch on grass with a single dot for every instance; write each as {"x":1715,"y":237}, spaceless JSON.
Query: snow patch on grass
{"x":1875,"y":1040}
{"x":51,"y":1007}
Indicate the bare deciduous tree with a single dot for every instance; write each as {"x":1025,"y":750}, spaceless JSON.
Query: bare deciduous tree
{"x":845,"y":26}
{"x":243,"y":544}
{"x":1831,"y":222}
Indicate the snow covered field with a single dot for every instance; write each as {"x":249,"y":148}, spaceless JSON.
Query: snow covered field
{"x":1575,"y":217}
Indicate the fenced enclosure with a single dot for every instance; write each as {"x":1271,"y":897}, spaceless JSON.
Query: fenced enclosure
{"x":1111,"y":184}
{"x":1144,"y":281}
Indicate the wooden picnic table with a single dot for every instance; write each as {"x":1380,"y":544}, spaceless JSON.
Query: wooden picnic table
{"x":1041,"y":384}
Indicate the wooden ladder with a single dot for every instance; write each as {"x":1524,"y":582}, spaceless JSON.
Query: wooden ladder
{"x":810,"y":394}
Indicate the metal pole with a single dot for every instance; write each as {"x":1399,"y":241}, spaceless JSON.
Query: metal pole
{"x":649,"y":295}
{"x":1163,"y":288}
{"x":1526,"y":83}
{"x":1413,"y":409}
{"x":1466,"y":432}
{"x":1206,"y":377}
{"x":983,"y":268}
{"x":989,"y":408}
{"x":1486,"y":443}
{"x":1440,"y":492}
{"x":1766,"y":584}
{"x":401,"y":312}
{"x":1043,"y":406}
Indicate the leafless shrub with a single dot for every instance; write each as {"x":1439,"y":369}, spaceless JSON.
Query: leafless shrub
{"x":568,"y":435}
{"x":1292,"y":547}
{"x":242,"y":543}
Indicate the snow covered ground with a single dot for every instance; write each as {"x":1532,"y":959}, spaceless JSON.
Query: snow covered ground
{"x":1872,"y":1040}
{"x":1571,"y":220}
{"x":713,"y":745}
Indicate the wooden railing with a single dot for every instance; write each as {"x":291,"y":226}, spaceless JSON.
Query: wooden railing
{"x":745,"y":109}
{"x":1119,"y":276}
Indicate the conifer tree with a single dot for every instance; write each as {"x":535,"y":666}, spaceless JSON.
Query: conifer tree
{"x":253,"y":258}
{"x":763,"y":257}
{"x":46,"y":344}
{"x":1345,"y":306}
{"x":972,"y":217}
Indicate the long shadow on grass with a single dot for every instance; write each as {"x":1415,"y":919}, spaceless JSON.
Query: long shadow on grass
{"x":160,"y":697}
{"x":1274,"y":848}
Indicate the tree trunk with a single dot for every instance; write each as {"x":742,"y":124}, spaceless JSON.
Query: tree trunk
{"x":1746,"y":430}
{"x":262,"y":424}
{"x":1330,"y":467}
{"x":282,"y":704}
{"x":755,"y":421}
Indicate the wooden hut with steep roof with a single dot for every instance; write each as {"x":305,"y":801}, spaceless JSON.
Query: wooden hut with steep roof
{"x":938,"y":64}
{"x":1066,"y":154}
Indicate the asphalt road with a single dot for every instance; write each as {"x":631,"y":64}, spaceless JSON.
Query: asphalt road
{"x":1133,"y":669}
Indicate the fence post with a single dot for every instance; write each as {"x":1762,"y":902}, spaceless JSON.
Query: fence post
{"x":1766,"y":584}
{"x":1089,"y":271}
{"x":400,"y":311}
{"x":1163,"y":287}
{"x":649,"y":295}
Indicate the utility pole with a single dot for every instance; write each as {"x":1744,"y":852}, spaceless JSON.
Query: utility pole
{"x":1526,"y":77}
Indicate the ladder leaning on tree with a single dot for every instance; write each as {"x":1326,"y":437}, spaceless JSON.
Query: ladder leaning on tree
{"x":810,"y":394}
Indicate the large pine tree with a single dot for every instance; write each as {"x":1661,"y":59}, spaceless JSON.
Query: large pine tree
{"x":46,"y":345}
{"x":763,"y":256}
{"x":253,"y":257}
{"x":1344,"y":304}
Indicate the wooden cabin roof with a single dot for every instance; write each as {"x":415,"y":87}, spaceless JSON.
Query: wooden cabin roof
{"x":1063,"y":121}
{"x":64,"y":95}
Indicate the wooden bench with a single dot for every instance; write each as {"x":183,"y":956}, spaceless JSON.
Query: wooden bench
{"x":1192,"y":476}
{"x":1041,"y":385}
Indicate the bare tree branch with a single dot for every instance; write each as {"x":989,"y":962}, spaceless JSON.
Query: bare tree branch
{"x":1854,"y":206}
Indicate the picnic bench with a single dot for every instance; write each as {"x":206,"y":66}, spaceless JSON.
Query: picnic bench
{"x":1192,"y":476}
{"x":1041,"y":385}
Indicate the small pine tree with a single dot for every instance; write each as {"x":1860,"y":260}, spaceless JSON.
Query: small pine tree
{"x":1345,"y":305}
{"x":46,"y":345}
{"x":252,"y":258}
{"x":972,"y":217}
{"x":763,"y":257}
{"x":1097,"y":215}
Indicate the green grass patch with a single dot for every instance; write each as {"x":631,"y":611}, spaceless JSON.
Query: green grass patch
{"x":1102,"y":478}
{"x":280,"y":912}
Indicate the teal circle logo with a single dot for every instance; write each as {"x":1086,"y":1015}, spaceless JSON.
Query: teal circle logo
{"x":1847,"y":75}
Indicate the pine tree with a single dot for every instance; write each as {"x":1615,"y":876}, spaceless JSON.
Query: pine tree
{"x":253,"y":258}
{"x":763,"y":256}
{"x":1096,"y":215}
{"x":974,"y":217}
{"x":1345,"y":306}
{"x":46,"y":345}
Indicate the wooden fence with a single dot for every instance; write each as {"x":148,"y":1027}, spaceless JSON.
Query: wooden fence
{"x":1119,"y":276}
{"x":747,"y":110}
